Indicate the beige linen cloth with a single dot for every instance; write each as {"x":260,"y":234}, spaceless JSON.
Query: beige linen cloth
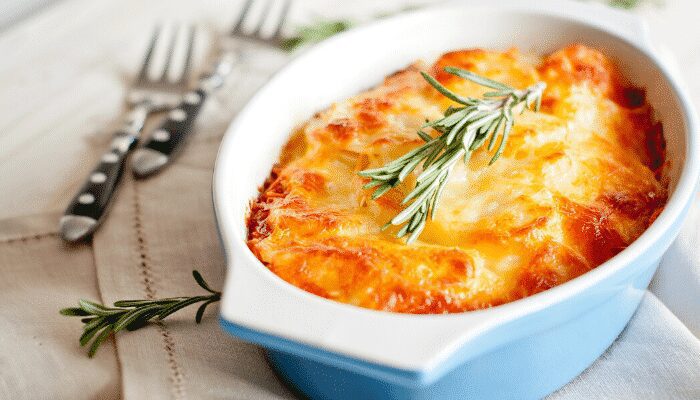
{"x":162,"y":228}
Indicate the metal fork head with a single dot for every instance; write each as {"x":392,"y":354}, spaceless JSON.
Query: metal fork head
{"x":257,"y":35}
{"x":158,"y":90}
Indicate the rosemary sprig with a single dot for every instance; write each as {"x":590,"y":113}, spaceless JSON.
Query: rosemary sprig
{"x":462,"y":130}
{"x":101,"y":321}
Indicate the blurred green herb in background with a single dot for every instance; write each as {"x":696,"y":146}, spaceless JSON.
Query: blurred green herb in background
{"x":631,"y":4}
{"x":626,"y":4}
{"x":314,"y":33}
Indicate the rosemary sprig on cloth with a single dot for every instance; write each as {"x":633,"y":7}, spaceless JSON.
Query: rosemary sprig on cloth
{"x":101,"y":321}
{"x":462,"y":130}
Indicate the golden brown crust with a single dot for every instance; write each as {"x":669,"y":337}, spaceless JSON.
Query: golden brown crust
{"x":577,"y":183}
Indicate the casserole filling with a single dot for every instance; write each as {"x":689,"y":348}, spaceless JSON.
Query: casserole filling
{"x":577,"y":183}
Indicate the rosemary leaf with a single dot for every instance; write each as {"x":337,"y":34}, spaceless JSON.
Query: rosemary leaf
{"x":74,"y":312}
{"x":90,"y":331}
{"x":96,"y":309}
{"x":104,"y":334}
{"x":444,"y":91}
{"x":463,"y":73}
{"x":201,"y":282}
{"x":201,"y":309}
{"x":379,"y":192}
{"x":427,"y":138}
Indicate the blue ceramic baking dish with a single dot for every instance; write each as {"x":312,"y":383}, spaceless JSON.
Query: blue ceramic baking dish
{"x":521,"y":350}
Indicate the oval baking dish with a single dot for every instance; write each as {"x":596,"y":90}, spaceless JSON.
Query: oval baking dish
{"x":521,"y":350}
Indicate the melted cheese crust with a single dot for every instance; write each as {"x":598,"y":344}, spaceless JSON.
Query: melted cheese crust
{"x":578,"y":182}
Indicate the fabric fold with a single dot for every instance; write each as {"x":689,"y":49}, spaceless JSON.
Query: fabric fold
{"x":40,"y":357}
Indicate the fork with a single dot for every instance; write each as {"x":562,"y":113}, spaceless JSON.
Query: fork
{"x":146,"y":95}
{"x":169,"y":137}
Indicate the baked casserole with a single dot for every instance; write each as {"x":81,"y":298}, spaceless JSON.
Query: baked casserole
{"x":577,"y":183}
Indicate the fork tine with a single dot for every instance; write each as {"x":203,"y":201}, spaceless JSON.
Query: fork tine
{"x":239,"y":24}
{"x":263,"y":17}
{"x":188,"y":57}
{"x":169,"y":54}
{"x":143,"y":73}
{"x":283,"y":18}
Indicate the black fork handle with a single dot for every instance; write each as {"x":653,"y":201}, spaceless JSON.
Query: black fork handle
{"x":89,"y":206}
